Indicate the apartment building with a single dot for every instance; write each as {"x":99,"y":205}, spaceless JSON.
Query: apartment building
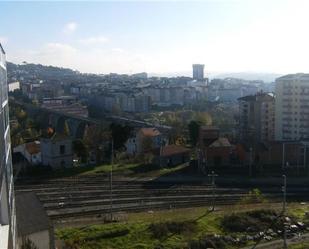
{"x":257,"y":118}
{"x":198,"y":71}
{"x":292,"y":107}
{"x":7,"y":202}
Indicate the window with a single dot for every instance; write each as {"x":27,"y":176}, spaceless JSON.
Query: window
{"x":62,"y":149}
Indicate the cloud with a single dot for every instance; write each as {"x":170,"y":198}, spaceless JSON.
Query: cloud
{"x":119,"y":50}
{"x":94,"y":40}
{"x":70,"y":28}
{"x":53,"y":53}
{"x":54,"y":47}
{"x":3,"y":39}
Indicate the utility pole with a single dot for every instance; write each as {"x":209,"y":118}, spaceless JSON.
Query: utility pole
{"x":111,"y":181}
{"x":283,"y":212}
{"x":283,"y":156}
{"x":305,"y":158}
{"x":250,"y":165}
{"x":213,"y":185}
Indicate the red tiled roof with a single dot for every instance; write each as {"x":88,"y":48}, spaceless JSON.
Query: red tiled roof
{"x":221,"y":142}
{"x":173,"y":149}
{"x":150,"y":132}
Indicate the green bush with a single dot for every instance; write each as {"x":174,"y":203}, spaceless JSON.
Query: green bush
{"x":255,"y":221}
{"x":254,"y":196}
{"x":161,"y":230}
{"x":209,"y":241}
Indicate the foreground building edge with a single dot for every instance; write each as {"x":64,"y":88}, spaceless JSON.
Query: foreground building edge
{"x":7,"y":201}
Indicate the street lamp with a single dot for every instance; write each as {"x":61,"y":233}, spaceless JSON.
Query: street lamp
{"x":213,"y":184}
{"x":283,"y":212}
{"x":111,"y":181}
{"x":250,"y":164}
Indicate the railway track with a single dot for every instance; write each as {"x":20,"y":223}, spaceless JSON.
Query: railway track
{"x":90,"y":196}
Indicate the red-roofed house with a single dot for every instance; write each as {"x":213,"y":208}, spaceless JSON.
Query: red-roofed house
{"x":214,"y":150}
{"x":171,"y":155}
{"x":144,"y":140}
{"x":31,"y":151}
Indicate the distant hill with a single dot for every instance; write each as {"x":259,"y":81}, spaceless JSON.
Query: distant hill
{"x":266,"y":77}
{"x":29,"y":71}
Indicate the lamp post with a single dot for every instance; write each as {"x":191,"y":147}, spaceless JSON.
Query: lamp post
{"x":283,"y":211}
{"x":283,"y":156}
{"x":213,"y":184}
{"x":250,"y":164}
{"x":111,"y":181}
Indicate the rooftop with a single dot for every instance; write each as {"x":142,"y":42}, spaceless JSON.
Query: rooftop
{"x":220,"y":142}
{"x":150,"y":132}
{"x":172,"y":149}
{"x":294,"y":76}
{"x":257,"y":96}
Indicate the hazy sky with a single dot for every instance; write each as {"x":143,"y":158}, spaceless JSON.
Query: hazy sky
{"x":159,"y":37}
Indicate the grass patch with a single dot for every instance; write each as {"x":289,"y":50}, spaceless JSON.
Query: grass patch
{"x":304,"y":245}
{"x":164,"y":229}
{"x":134,"y":170}
{"x":189,"y":228}
{"x":251,"y":221}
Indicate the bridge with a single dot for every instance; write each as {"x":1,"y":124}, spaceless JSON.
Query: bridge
{"x":78,"y":124}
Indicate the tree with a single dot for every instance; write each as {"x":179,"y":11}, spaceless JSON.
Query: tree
{"x":194,"y":128}
{"x":120,"y":134}
{"x":28,"y":244}
{"x":96,"y":139}
{"x":204,"y":118}
{"x":80,"y":149}
{"x":147,"y":144}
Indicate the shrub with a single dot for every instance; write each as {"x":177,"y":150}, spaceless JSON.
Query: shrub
{"x":254,"y":196}
{"x":161,"y":230}
{"x":256,"y":220}
{"x":209,"y":241}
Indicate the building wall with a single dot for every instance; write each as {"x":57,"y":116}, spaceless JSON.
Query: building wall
{"x":131,"y":146}
{"x":173,"y":160}
{"x":51,"y":156}
{"x":7,"y":203}
{"x":292,"y":105}
{"x":218,"y":156}
{"x":257,"y":118}
{"x":198,"y":71}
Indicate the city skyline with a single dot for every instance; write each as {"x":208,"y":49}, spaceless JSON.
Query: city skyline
{"x":159,"y":37}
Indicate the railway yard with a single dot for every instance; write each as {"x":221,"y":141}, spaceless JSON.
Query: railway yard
{"x":90,"y":196}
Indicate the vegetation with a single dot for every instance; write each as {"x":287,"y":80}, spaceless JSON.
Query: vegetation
{"x":164,"y":229}
{"x":302,"y":245}
{"x":171,"y":229}
{"x":28,"y":244}
{"x":23,"y":128}
{"x":254,"y":196}
{"x":193,"y":128}
{"x":80,"y":150}
{"x":120,"y":135}
{"x":251,"y":221}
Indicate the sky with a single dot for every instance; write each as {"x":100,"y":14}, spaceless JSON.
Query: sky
{"x":159,"y":37}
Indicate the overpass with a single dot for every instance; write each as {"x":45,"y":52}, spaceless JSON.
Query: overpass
{"x":77,"y":124}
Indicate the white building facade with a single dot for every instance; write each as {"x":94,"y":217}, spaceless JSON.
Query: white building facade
{"x":7,"y":202}
{"x":292,"y":107}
